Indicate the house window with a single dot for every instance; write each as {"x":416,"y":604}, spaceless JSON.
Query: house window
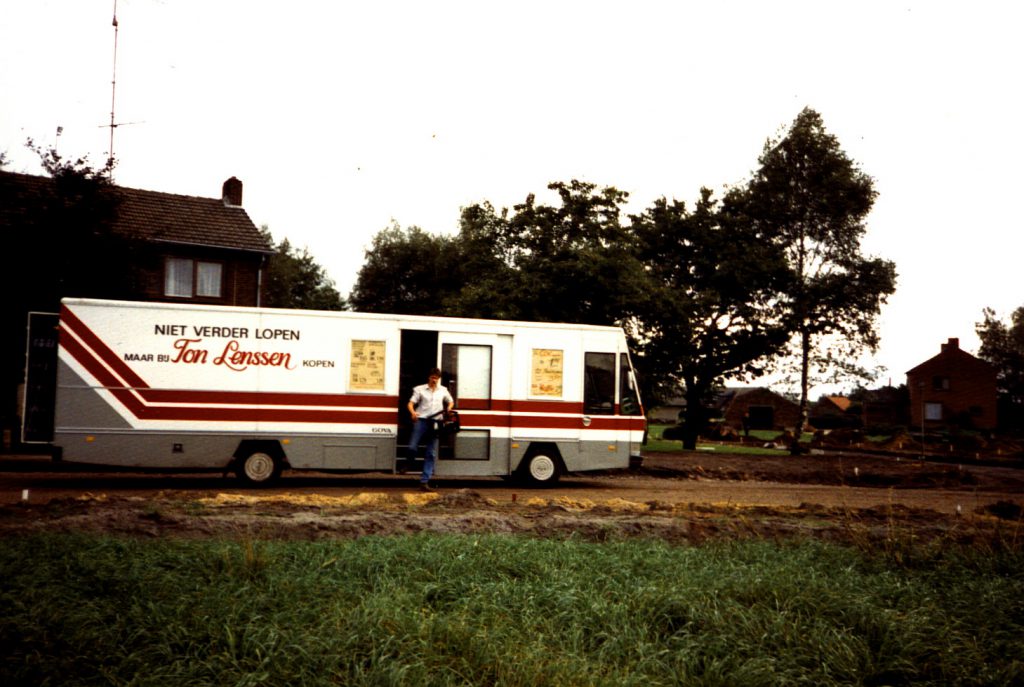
{"x":208,"y":279}
{"x":933,"y":411}
{"x":178,"y":277}
{"x":185,"y":278}
{"x":940,"y":383}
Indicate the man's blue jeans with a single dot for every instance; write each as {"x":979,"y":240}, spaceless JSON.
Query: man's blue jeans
{"x":424,"y":429}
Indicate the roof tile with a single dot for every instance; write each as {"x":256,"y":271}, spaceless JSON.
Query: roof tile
{"x":153,"y":215}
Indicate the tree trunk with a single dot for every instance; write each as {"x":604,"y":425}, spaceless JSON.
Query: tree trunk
{"x":694,"y":416}
{"x":805,"y":363}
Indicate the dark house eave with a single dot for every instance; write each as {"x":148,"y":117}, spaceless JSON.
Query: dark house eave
{"x":192,"y":244}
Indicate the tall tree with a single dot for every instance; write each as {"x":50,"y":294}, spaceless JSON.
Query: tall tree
{"x":812,"y":201}
{"x":66,"y":244}
{"x":571,"y":262}
{"x":407,"y":271}
{"x":295,"y":280}
{"x":1003,"y":346}
{"x":710,"y":306}
{"x":489,"y":284}
{"x":578,"y":260}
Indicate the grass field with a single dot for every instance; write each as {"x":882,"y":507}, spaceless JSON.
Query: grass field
{"x":758,"y":438}
{"x":504,"y":610}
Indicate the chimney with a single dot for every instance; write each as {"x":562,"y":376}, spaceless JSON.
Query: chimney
{"x":952,"y":345}
{"x":232,"y":193}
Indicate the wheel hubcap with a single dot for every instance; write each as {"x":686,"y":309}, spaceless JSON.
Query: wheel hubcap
{"x":259,"y":467}
{"x":542,"y":468}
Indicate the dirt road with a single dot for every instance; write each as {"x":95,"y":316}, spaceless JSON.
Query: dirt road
{"x":684,"y":496}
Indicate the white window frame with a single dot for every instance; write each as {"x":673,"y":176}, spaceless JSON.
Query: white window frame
{"x":209,"y":279}
{"x":176,"y":284}
{"x":198,"y":284}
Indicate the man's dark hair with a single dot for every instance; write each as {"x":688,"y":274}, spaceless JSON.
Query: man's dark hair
{"x":435,"y":372}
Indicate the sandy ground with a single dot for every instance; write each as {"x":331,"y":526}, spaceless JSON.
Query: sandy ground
{"x":679,"y":497}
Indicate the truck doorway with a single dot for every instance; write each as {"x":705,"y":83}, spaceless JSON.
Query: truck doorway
{"x":417,"y":358}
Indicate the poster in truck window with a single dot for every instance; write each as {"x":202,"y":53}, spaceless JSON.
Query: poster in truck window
{"x":546,"y":372}
{"x":366,"y":366}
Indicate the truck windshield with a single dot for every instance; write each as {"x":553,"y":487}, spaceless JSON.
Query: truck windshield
{"x":629,"y":398}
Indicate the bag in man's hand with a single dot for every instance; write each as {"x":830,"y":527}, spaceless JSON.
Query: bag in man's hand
{"x":450,"y":423}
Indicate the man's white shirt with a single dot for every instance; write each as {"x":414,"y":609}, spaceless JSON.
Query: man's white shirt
{"x":427,"y":402}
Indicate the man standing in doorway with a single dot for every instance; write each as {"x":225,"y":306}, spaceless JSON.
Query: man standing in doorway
{"x":428,"y":403}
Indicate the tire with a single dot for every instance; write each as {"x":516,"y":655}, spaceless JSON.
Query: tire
{"x":258,"y":468}
{"x":540,"y":469}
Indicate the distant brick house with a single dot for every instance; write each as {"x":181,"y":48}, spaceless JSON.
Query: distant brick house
{"x":831,"y":411}
{"x":831,"y":406}
{"x":203,"y":250}
{"x":762,"y":407}
{"x":885,"y":407}
{"x":953,"y":388}
{"x":669,"y":412}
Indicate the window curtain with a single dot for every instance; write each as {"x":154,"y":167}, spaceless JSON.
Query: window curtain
{"x":178,"y":277}
{"x":208,"y":279}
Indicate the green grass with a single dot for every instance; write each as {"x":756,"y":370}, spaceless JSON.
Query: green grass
{"x":503,"y":610}
{"x":756,"y":446}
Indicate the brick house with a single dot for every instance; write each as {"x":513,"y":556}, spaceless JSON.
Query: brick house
{"x":763,"y":408}
{"x":831,"y":406}
{"x":829,"y":412}
{"x":670,"y":412}
{"x":203,"y":250}
{"x":953,"y":388}
{"x":885,"y":407}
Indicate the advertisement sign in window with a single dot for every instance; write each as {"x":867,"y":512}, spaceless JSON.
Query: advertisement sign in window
{"x":366,"y":366}
{"x":546,"y":372}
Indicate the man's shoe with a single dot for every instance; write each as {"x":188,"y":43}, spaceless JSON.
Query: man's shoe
{"x":425,"y":486}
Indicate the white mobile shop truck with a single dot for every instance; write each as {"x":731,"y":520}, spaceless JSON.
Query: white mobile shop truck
{"x":157,"y":385}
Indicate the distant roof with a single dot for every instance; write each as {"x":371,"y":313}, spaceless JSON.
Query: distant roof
{"x":188,"y":219}
{"x":840,"y":402}
{"x":153,"y":215}
{"x":949,"y":351}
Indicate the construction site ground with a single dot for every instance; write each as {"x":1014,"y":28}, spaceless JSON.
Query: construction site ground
{"x":680,"y":497}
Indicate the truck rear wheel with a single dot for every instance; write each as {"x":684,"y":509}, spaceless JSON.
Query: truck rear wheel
{"x":540,"y":469}
{"x":258,"y":468}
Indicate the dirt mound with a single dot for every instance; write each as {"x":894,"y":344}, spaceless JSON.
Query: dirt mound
{"x":461,"y":498}
{"x":833,"y":469}
{"x":307,"y":517}
{"x":681,"y":497}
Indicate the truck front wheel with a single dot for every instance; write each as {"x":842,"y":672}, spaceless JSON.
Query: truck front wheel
{"x":258,"y":468}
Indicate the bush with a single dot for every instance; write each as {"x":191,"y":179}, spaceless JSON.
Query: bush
{"x":673,"y":433}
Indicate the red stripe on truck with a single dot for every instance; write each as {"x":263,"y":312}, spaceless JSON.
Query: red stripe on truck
{"x":144,"y":402}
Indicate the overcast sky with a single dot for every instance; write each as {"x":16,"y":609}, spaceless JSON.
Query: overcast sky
{"x":340,"y":117}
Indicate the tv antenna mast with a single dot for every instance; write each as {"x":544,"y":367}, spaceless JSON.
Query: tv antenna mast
{"x":113,"y":96}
